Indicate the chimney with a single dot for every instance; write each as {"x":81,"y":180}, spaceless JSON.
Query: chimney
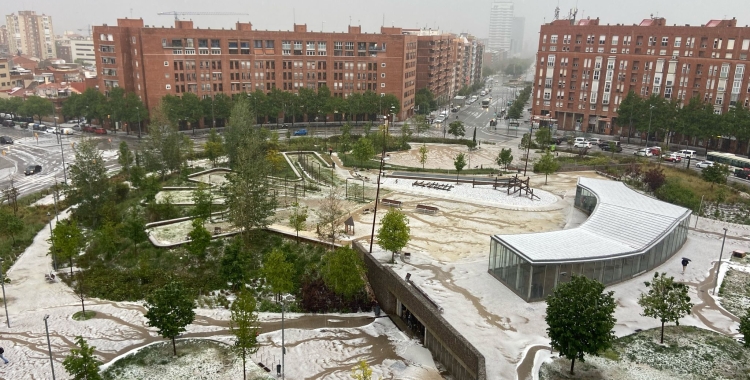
{"x":300,"y":28}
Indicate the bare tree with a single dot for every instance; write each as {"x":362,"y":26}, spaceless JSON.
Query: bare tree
{"x":330,"y":212}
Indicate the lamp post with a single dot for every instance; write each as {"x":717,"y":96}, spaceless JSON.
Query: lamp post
{"x":138,"y":111}
{"x":716,"y":277}
{"x":62,"y":155}
{"x":377,"y":194}
{"x":5,"y":303}
{"x":283,"y":348}
{"x":648,"y":131}
{"x":54,"y":256}
{"x":49,"y":346}
{"x":528,"y":149}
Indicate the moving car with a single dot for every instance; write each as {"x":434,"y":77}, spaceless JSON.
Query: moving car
{"x":742,"y":173}
{"x":32,"y":169}
{"x":100,"y":131}
{"x":595,"y":141}
{"x":643,"y":152}
{"x":300,"y":132}
{"x":685,"y":153}
{"x":704,"y":164}
{"x":582,"y":144}
{"x":672,"y":157}
{"x":88,"y":128}
{"x":6,"y":140}
{"x":9,"y":123}
{"x":604,"y":145}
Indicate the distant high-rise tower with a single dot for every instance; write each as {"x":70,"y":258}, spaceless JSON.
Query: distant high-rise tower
{"x":31,"y":34}
{"x":517,"y":36}
{"x":501,"y":25}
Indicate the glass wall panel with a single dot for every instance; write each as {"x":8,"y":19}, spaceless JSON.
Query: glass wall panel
{"x":550,"y":276}
{"x":588,"y":269}
{"x":628,"y":266}
{"x":609,"y":269}
{"x":618,"y":270}
{"x":522,"y":281}
{"x":537,"y":281}
{"x":598,"y":266}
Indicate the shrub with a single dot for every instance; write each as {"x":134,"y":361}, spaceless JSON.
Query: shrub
{"x":654,"y":178}
{"x":674,"y":192}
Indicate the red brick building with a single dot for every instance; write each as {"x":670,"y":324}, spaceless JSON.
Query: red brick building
{"x":153,"y":62}
{"x":584,"y":69}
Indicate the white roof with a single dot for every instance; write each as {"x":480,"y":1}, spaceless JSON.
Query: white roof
{"x":623,"y":223}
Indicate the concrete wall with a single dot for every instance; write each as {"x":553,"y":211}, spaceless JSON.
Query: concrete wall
{"x":446,"y":344}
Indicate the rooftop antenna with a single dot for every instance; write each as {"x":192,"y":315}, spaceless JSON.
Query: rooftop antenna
{"x":383,"y":20}
{"x":294,"y":15}
{"x":131,"y":12}
{"x":350,"y":20}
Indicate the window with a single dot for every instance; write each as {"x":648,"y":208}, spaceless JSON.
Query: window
{"x":664,"y":41}
{"x":382,"y":85}
{"x":553,"y":39}
{"x":614,"y":40}
{"x":168,"y":87}
{"x":677,"y":41}
{"x":382,"y":75}
{"x":269,"y":44}
{"x":602,"y":39}
{"x":166,"y":63}
{"x":382,"y":64}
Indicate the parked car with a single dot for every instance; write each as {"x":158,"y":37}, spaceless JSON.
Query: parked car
{"x":39,"y":127}
{"x":77,"y":127}
{"x":440,"y":119}
{"x":100,"y":131}
{"x":672,"y":157}
{"x":655,"y":151}
{"x":6,"y":140}
{"x":742,"y":173}
{"x":23,"y":124}
{"x":604,"y":145}
{"x":582,"y":144}
{"x":300,"y":132}
{"x":579,"y":139}
{"x":643,"y":152}
{"x":32,"y":169}
{"x":595,"y":141}
{"x":9,"y":123}
{"x":704,"y":164}
{"x":53,"y":130}
{"x":65,"y":131}
{"x":685,"y":153}
{"x":88,"y":128}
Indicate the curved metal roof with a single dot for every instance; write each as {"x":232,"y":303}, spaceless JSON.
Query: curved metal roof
{"x":623,"y":223}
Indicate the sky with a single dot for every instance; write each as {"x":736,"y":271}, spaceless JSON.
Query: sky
{"x":454,"y":16}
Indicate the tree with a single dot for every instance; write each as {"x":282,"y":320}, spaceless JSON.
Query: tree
{"x":241,"y":122}
{"x":343,"y":271}
{"x":423,"y":155}
{"x":10,"y":224}
{"x":543,"y":137}
{"x":459,"y":163}
{"x":580,"y":318}
{"x":504,"y":158}
{"x":134,"y":228}
{"x":37,"y":106}
{"x":202,"y":202}
{"x":715,"y":174}
{"x":547,"y":165}
{"x":80,"y":290}
{"x":421,"y":124}
{"x":166,"y":149}
{"x":405,"y":134}
{"x":346,"y":138}
{"x":191,"y":109}
{"x":329,"y":213}
{"x":81,"y":364}
{"x":298,"y":218}
{"x":363,"y":150}
{"x":362,"y":371}
{"x":170,"y":310}
{"x":125,"y":157}
{"x":243,"y":324}
{"x":654,"y":178}
{"x":457,"y":128}
{"x":394,"y":232}
{"x":745,"y":328}
{"x":214,"y":147}
{"x":200,"y":239}
{"x":278,"y":272}
{"x":629,"y":112}
{"x":666,"y":300}
{"x":74,"y":106}
{"x":425,"y":101}
{"x":135,"y":112}
{"x":67,"y":240}
{"x":89,"y":182}
{"x":235,"y":264}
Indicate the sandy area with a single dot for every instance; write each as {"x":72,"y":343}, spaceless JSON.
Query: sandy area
{"x":441,"y":156}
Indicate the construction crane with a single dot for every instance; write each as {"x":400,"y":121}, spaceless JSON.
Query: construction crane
{"x":177,"y":14}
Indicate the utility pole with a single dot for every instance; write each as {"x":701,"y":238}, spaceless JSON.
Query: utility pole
{"x":377,"y":192}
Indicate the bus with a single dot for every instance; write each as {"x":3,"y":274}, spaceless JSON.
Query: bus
{"x":733,"y":161}
{"x":485,"y":103}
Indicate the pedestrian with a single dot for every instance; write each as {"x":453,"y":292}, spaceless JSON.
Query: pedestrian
{"x":3,"y":357}
{"x":685,"y":262}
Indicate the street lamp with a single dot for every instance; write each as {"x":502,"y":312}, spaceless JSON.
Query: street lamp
{"x":716,"y":278}
{"x":648,"y":132}
{"x":138,"y":111}
{"x":62,"y":155}
{"x":5,"y":303}
{"x":49,"y":346}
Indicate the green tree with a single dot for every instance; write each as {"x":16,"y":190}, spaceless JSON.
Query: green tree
{"x":363,"y":150}
{"x":580,"y":318}
{"x":666,"y":300}
{"x":89,"y":183}
{"x":745,"y":328}
{"x":278,"y":272}
{"x":191,"y":109}
{"x":425,"y":101}
{"x":37,"y":106}
{"x":629,"y":111}
{"x":405,"y":134}
{"x":543,"y":136}
{"x":200,"y":239}
{"x":504,"y":158}
{"x":240,"y":127}
{"x":329,"y":214}
{"x":115,"y":106}
{"x":135,"y":113}
{"x":394,"y":232}
{"x":214,"y":147}
{"x":81,"y":363}
{"x":421,"y":124}
{"x":298,"y":218}
{"x":243,"y":324}
{"x":134,"y":228}
{"x":170,"y":309}
{"x":343,"y":271}
{"x":67,"y":240}
{"x":459,"y":163}
{"x":203,"y":201}
{"x":74,"y":106}
{"x":235,"y":264}
{"x":165,"y":149}
{"x":10,"y":225}
{"x":547,"y":165}
{"x":457,"y":129}
{"x":95,"y":106}
{"x":654,"y":178}
{"x":715,"y":174}
{"x":346,"y":138}
{"x":125,"y":157}
{"x":423,"y":155}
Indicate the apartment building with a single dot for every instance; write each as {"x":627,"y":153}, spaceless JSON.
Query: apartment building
{"x":585,"y":69}
{"x":5,"y":83}
{"x":501,"y":26}
{"x":31,"y":34}
{"x":437,"y":61}
{"x":153,"y":62}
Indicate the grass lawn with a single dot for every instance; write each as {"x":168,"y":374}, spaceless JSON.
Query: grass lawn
{"x":687,"y":353}
{"x":735,"y":292}
{"x":34,"y":218}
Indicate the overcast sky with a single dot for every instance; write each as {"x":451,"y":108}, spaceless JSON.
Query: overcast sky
{"x":333,"y":15}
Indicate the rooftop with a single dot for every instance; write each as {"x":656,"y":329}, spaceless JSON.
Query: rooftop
{"x":623,"y":223}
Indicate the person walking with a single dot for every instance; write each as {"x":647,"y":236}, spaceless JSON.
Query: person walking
{"x":685,"y":262}
{"x":2,"y":351}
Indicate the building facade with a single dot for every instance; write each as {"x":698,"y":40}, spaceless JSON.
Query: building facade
{"x":437,"y":61}
{"x":153,"y":62}
{"x":625,"y":235}
{"x":501,"y":26}
{"x":584,"y":69}
{"x":5,"y":82}
{"x":82,"y":50}
{"x":31,"y":34}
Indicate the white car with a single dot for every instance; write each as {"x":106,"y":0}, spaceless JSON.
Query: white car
{"x":440,"y":119}
{"x":582,"y":144}
{"x":704,"y":164}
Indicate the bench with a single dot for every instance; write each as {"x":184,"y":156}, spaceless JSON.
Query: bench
{"x":739,"y":254}
{"x":391,"y":202}
{"x":50,"y":277}
{"x":217,"y":230}
{"x":427,"y":209}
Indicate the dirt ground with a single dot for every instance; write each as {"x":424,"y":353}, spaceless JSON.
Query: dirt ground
{"x":441,"y":156}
